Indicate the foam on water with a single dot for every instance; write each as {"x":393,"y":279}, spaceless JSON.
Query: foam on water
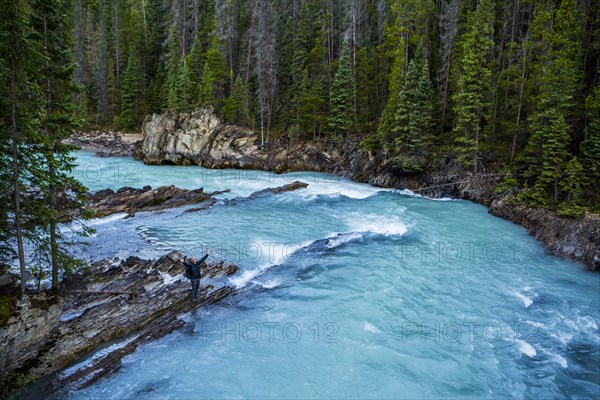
{"x":376,"y":223}
{"x":526,"y":300}
{"x":526,"y":348}
{"x":370,"y":327}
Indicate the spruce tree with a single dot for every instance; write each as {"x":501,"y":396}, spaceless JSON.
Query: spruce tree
{"x":572,"y":186}
{"x":412,"y":122}
{"x":236,"y":107}
{"x":20,"y":102}
{"x":547,"y":148}
{"x":341,"y":117}
{"x":214,"y":77}
{"x":131,"y":93}
{"x":173,"y":72}
{"x":184,"y":89}
{"x":590,"y":147}
{"x":395,"y":82}
{"x":54,"y":173}
{"x":471,"y":99}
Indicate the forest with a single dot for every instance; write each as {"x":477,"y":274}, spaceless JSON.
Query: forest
{"x":498,"y":86}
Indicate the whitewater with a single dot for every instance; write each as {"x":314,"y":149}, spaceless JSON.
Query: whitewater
{"x":348,"y":290}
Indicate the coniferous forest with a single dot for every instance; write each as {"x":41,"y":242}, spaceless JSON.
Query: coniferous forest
{"x":500,"y":86}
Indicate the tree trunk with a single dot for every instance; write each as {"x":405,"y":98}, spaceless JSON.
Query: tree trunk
{"x":521,"y":90}
{"x":16,"y":183}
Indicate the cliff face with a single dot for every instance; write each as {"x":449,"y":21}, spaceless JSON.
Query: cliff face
{"x":196,"y":138}
{"x":27,"y":331}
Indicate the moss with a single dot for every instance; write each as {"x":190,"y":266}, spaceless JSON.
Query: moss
{"x":11,"y":382}
{"x":6,"y":305}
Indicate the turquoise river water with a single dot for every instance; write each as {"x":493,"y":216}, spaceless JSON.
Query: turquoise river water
{"x":348,"y":290}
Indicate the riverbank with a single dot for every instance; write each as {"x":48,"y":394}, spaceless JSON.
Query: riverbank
{"x":127,"y":303}
{"x":199,"y":138}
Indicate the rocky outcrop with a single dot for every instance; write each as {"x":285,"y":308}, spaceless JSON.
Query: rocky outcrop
{"x":132,"y":301}
{"x":106,"y":144}
{"x":130,"y":200}
{"x":197,"y":138}
{"x":575,"y":238}
{"x":27,"y":330}
{"x":260,"y":193}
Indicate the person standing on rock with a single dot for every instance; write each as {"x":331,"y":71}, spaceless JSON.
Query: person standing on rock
{"x":192,"y":272}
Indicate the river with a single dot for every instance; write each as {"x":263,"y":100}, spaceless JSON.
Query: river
{"x":348,"y":290}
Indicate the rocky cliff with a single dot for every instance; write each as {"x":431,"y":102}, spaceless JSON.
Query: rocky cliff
{"x":132,"y":301}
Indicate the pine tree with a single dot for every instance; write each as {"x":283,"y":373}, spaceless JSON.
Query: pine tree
{"x":195,"y":63}
{"x":572,"y":185}
{"x":550,"y":133}
{"x":590,"y":147}
{"x":413,"y":117}
{"x":173,"y":72}
{"x":236,"y":108}
{"x":184,"y":89}
{"x":54,"y":176}
{"x":131,"y":93}
{"x":20,"y":102}
{"x":214,"y":77}
{"x":471,"y":100}
{"x":395,"y":82}
{"x":341,"y":118}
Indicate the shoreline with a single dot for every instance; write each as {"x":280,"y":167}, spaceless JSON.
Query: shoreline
{"x":216,"y":146}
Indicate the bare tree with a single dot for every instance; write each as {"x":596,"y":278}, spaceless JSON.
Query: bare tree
{"x":264,"y":54}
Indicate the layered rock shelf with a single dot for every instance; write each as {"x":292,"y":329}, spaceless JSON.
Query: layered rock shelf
{"x":131,"y":302}
{"x":130,"y":200}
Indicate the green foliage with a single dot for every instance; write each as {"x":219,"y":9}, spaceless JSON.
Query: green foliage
{"x":236,"y":108}
{"x":547,"y":149}
{"x":508,"y":183}
{"x":131,"y":94}
{"x":214,"y":77}
{"x":11,"y":382}
{"x":6,"y":305}
{"x":590,"y":147}
{"x":412,"y":121}
{"x":472,"y":97}
{"x":395,"y":81}
{"x":341,"y":118}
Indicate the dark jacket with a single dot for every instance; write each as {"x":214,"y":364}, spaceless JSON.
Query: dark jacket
{"x":195,"y":268}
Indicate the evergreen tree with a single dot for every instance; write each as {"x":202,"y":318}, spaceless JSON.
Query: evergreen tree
{"x":395,"y":82}
{"x":471,"y":100}
{"x":214,"y":77}
{"x":341,"y":118}
{"x":184,"y":89}
{"x":195,"y":64}
{"x":236,"y":108}
{"x":131,"y":93}
{"x":590,"y":148}
{"x":173,"y":72}
{"x":413,"y":117}
{"x":20,"y":102}
{"x":571,"y":184}
{"x":53,"y":175}
{"x":550,"y":133}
